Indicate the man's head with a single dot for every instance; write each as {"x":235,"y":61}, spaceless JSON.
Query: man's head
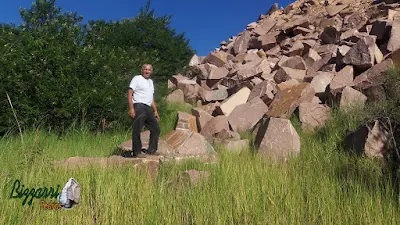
{"x":147,"y":69}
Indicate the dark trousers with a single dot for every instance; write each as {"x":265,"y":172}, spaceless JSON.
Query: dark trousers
{"x":144,"y":116}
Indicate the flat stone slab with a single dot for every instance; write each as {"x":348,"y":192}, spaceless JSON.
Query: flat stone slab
{"x":238,"y":98}
{"x":150,"y":163}
{"x":163,"y":147}
{"x":286,"y":101}
{"x":115,"y":160}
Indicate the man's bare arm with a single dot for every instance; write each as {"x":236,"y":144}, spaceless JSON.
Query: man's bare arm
{"x":154,"y":106}
{"x":130,"y":103}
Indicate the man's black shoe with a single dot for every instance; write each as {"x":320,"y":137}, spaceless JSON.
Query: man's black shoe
{"x":127,"y":154}
{"x":140,"y":155}
{"x":131,"y":155}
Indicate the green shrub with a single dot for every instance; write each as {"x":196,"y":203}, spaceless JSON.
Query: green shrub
{"x":60,"y":73}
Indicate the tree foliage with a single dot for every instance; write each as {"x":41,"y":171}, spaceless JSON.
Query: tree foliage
{"x":59,"y":71}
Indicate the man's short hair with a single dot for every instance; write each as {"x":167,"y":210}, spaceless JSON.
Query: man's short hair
{"x":151,"y":67}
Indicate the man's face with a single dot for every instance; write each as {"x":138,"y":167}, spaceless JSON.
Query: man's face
{"x":146,"y":71}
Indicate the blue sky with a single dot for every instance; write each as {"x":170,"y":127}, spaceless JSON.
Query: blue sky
{"x":206,"y":23}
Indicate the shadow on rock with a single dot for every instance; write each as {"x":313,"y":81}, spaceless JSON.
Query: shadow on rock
{"x":374,"y":140}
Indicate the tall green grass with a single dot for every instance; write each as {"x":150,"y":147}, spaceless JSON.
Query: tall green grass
{"x":322,"y":185}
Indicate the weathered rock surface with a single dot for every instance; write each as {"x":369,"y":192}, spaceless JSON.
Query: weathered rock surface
{"x":245,"y":116}
{"x":313,"y":115}
{"x":186,"y":121}
{"x":374,"y":76}
{"x":311,"y":57}
{"x":361,"y":55}
{"x":321,"y":81}
{"x":238,"y":98}
{"x":176,"y":96}
{"x":377,"y":141}
{"x":286,"y":101}
{"x":195,"y":60}
{"x":280,"y":140}
{"x":77,"y":162}
{"x":286,"y":73}
{"x":213,"y":95}
{"x":202,"y":117}
{"x":150,"y":165}
{"x":344,"y":78}
{"x":195,"y":144}
{"x":218,"y":59}
{"x":217,"y":73}
{"x":393,"y":43}
{"x":371,"y":139}
{"x":288,"y":84}
{"x":352,"y":98}
{"x":215,"y":126}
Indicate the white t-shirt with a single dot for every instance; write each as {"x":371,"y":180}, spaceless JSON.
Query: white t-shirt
{"x":143,"y":90}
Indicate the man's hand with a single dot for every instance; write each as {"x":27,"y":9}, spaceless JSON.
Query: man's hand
{"x":130,"y":103}
{"x":156,"y":115}
{"x":132,"y":113}
{"x":153,"y":105}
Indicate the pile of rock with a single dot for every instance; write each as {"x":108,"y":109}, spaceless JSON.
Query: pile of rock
{"x":182,"y":142}
{"x":309,"y":56}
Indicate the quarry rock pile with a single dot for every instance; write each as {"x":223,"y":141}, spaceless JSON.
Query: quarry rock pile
{"x":308,"y":57}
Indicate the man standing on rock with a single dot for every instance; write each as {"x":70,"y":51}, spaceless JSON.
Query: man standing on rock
{"x":143,"y":111}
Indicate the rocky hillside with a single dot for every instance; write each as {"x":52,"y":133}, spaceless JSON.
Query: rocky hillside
{"x":310,"y":56}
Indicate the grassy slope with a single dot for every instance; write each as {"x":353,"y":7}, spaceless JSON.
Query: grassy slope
{"x":321,"y":186}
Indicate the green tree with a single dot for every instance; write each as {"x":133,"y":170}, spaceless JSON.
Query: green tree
{"x":40,"y":63}
{"x":147,"y":34}
{"x":59,"y":72}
